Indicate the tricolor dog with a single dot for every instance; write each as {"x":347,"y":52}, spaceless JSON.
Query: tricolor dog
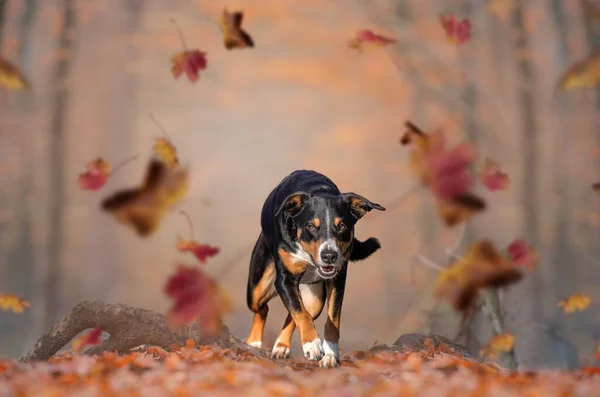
{"x":302,"y":254}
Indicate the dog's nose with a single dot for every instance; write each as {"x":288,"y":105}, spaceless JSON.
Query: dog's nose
{"x":329,"y":256}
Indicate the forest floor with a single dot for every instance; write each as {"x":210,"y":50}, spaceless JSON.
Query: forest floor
{"x":207,"y":370}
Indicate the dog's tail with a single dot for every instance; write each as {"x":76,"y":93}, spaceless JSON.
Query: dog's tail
{"x":363,"y":249}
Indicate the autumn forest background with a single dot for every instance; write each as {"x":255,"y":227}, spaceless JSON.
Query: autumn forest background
{"x":300,"y":99}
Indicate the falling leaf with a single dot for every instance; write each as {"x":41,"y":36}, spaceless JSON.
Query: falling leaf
{"x":574,"y":303}
{"x":189,"y":61}
{"x":96,"y":175}
{"x":596,"y":187}
{"x":91,"y":338}
{"x":233,"y":34}
{"x":483,"y":267}
{"x":492,"y":176}
{"x":597,"y":354}
{"x":499,"y":344}
{"x":414,"y":134}
{"x":166,"y":152}
{"x":458,"y":32}
{"x":460,"y":209}
{"x":196,"y":296}
{"x":523,"y":255}
{"x":201,"y":251}
{"x":502,"y":9}
{"x":585,"y":73}
{"x":143,"y":208}
{"x":13,"y":303}
{"x":11,"y":77}
{"x":365,"y":37}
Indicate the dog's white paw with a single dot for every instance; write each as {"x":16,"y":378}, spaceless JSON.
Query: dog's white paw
{"x":257,"y":344}
{"x":280,"y":351}
{"x":329,"y":361}
{"x":313,"y":350}
{"x":332,"y":355}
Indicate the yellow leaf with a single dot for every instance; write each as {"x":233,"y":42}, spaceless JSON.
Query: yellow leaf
{"x":575,"y":302}
{"x":11,"y":77}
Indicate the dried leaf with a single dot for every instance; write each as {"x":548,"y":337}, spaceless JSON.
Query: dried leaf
{"x":13,"y":303}
{"x":574,"y":303}
{"x":367,"y":37}
{"x":201,"y":251}
{"x":233,"y":34}
{"x":457,"y":32}
{"x":144,"y":207}
{"x":460,"y":209}
{"x":502,"y":9}
{"x":190,"y":62}
{"x":499,"y":344}
{"x":523,"y":255}
{"x":483,"y":267}
{"x":11,"y":77}
{"x":196,"y":296}
{"x":492,"y":176}
{"x":585,"y":73}
{"x":90,"y":338}
{"x":96,"y":175}
{"x":166,"y":152}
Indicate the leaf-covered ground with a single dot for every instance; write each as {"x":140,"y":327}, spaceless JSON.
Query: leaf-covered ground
{"x":187,"y":371}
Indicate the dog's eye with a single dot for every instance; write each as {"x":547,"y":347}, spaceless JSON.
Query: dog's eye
{"x":311,"y":227}
{"x":342,"y":226}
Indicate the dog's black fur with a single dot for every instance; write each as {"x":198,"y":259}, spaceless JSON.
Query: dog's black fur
{"x":302,"y":254}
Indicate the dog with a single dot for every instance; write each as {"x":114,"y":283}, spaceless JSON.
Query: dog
{"x":302,"y":255}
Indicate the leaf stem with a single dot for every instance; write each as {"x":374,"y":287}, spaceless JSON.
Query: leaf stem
{"x":120,"y":165}
{"x":189,"y":222}
{"x":181,"y":38}
{"x":160,"y":127}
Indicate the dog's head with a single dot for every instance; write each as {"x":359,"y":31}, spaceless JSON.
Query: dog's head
{"x":322,"y":227}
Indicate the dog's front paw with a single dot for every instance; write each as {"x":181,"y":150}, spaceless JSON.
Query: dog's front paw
{"x":329,"y":361}
{"x":280,"y":351}
{"x":313,"y":350}
{"x":332,"y":355}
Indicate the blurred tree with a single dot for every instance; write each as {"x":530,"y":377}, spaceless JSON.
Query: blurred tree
{"x":64,"y":56}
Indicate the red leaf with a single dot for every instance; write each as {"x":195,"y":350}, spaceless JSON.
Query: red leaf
{"x":95,"y":176}
{"x":91,"y":338}
{"x":190,"y":62}
{"x":458,"y":32}
{"x":201,"y":251}
{"x":366,"y":36}
{"x":196,"y":295}
{"x":523,"y":255}
{"x":448,"y":170}
{"x":492,"y":176}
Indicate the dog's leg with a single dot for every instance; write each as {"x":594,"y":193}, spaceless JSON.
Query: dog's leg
{"x":335,"y":297}
{"x":261,"y":289}
{"x":313,"y":298}
{"x":287,"y":285}
{"x":363,"y":249}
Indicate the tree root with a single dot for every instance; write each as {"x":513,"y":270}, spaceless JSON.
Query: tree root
{"x":128,"y":327}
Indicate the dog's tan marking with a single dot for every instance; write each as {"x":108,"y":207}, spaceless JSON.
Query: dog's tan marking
{"x":337,"y":221}
{"x":311,"y":247}
{"x":264,"y":290}
{"x":258,"y":325}
{"x":304,"y":322}
{"x":332,"y":326}
{"x":344,"y":246}
{"x":316,"y":222}
{"x":285,"y":336}
{"x":299,"y":232}
{"x":293,"y":265}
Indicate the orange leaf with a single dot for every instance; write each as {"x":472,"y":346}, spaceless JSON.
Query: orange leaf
{"x":11,"y":77}
{"x":166,"y":152}
{"x":365,"y":36}
{"x":574,"y":303}
{"x":585,"y":73}
{"x":95,"y":176}
{"x":191,"y":62}
{"x":200,"y":251}
{"x":492,"y":176}
{"x":13,"y":303}
{"x":233,"y":34}
{"x":499,"y":344}
{"x":458,"y":32}
{"x":91,"y":338}
{"x":143,"y":208}
{"x":482,"y":267}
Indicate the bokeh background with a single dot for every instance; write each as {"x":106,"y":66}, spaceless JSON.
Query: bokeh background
{"x":300,"y":99}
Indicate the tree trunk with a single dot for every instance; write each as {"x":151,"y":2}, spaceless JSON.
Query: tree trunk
{"x":57,"y":145}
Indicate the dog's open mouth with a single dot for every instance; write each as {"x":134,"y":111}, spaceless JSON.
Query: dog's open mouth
{"x":327,"y":271}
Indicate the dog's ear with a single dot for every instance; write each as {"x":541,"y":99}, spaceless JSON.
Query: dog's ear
{"x":359,"y":205}
{"x":293,"y":204}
